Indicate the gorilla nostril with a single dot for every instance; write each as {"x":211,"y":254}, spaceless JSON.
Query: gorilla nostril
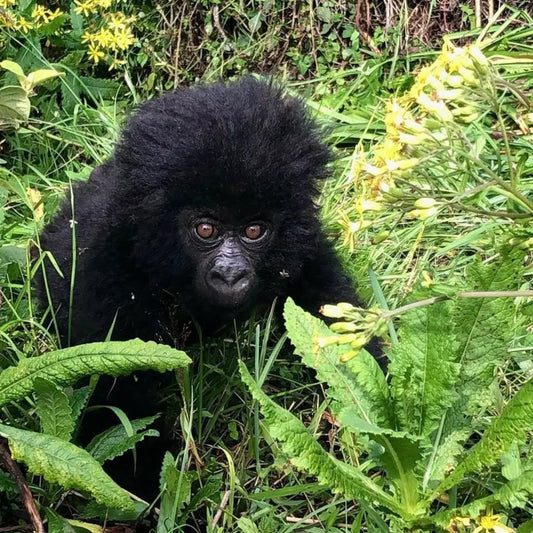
{"x":229,"y":277}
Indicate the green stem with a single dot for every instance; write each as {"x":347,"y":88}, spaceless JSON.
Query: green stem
{"x":464,"y":294}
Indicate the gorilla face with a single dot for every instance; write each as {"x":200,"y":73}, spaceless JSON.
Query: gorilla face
{"x":225,"y":257}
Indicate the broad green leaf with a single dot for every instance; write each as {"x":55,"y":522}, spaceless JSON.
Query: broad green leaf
{"x":512,"y":425}
{"x":115,"y":441}
{"x":66,"y":366}
{"x":485,"y":326}
{"x":53,"y":408}
{"x":14,"y":106}
{"x":360,"y":383}
{"x":308,"y":455}
{"x":14,"y":68}
{"x":423,"y":370}
{"x":515,"y":493}
{"x":61,"y":462}
{"x":40,"y":76}
{"x":401,"y":452}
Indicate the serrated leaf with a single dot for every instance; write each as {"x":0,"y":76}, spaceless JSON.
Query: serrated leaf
{"x":99,"y":89}
{"x":66,"y":366}
{"x":515,"y":493}
{"x":484,"y":326}
{"x":360,"y":383}
{"x":176,"y":487}
{"x":51,"y":27}
{"x":79,"y":400}
{"x":445,"y":457}
{"x":308,"y":455}
{"x":53,"y":408}
{"x":62,"y":462}
{"x":512,"y":425}
{"x":115,"y":441}
{"x":423,"y":368}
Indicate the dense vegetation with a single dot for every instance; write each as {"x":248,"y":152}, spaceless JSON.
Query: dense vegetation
{"x":429,"y":109}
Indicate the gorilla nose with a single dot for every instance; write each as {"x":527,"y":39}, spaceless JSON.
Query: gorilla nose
{"x":230,"y":277}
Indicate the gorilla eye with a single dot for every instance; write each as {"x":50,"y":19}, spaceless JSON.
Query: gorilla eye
{"x":254,"y":232}
{"x":206,"y":230}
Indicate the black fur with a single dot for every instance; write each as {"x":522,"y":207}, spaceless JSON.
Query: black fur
{"x":239,"y":152}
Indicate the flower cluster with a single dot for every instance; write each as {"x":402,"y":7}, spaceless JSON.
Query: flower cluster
{"x":417,"y":125}
{"x":113,"y":37}
{"x":40,"y":16}
{"x":490,"y":523}
{"x":356,"y":328}
{"x":109,"y":34}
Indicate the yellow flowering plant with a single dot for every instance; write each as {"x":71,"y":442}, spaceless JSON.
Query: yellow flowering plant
{"x":461,"y":117}
{"x":100,"y":26}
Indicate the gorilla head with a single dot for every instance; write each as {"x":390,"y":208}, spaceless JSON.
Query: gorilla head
{"x":206,"y":209}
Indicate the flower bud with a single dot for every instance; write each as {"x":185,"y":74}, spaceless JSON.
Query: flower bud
{"x":425,"y":203}
{"x":345,"y":307}
{"x":322,"y":342}
{"x":347,"y":356}
{"x":331,"y":311}
{"x":343,"y":327}
{"x":370,"y":205}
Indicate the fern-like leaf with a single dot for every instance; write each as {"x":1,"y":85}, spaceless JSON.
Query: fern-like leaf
{"x":423,"y":370}
{"x":360,"y":383}
{"x":54,"y":410}
{"x":64,"y":367}
{"x":115,"y":441}
{"x":61,"y":462}
{"x":510,"y":426}
{"x":307,"y":454}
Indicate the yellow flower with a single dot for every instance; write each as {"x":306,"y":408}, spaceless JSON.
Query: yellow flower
{"x":85,"y":8}
{"x":39,"y":14}
{"x":89,"y":37}
{"x":425,"y":203}
{"x":95,"y":53}
{"x":124,"y":39}
{"x":116,"y":21}
{"x":7,"y":3}
{"x":363,"y":205}
{"x":105,"y":38}
{"x":492,"y":523}
{"x":53,"y":14}
{"x":104,"y":4}
{"x":23,"y":25}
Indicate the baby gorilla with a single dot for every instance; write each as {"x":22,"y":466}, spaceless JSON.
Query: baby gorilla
{"x":205,"y":210}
